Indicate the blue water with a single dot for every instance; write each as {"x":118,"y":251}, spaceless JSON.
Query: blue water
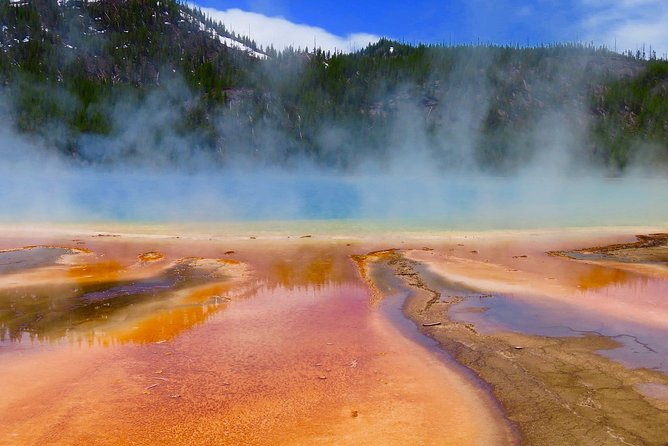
{"x":641,"y":345}
{"x":469,"y":202}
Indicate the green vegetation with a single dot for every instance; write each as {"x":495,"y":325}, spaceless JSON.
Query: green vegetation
{"x":80,"y":70}
{"x":634,"y":112}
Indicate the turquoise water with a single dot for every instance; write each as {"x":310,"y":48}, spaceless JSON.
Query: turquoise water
{"x":464,"y":202}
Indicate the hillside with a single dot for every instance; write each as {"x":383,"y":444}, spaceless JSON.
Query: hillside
{"x":157,"y":83}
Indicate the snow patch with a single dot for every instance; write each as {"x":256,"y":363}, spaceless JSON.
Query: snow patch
{"x":238,"y":45}
{"x":227,"y":41}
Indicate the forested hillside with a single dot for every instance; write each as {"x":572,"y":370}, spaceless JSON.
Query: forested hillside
{"x":157,"y":83}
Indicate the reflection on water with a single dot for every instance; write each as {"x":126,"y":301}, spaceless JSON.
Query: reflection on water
{"x":305,"y":360}
{"x":104,"y":301}
{"x":600,"y":277}
{"x":621,"y":288}
{"x":156,"y":323}
{"x":32,"y":257}
{"x":640,"y":345}
{"x":101,"y":301}
{"x":307,"y":267}
{"x":315,"y":273}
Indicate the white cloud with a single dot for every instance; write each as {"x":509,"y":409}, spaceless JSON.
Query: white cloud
{"x":282,"y":33}
{"x":631,"y":23}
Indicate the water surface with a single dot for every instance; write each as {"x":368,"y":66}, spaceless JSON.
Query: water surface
{"x":191,"y":348}
{"x":641,"y":344}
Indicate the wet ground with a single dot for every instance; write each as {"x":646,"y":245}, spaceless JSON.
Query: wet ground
{"x":161,"y":336}
{"x":191,"y":340}
{"x":574,"y":351}
{"x":641,"y":345}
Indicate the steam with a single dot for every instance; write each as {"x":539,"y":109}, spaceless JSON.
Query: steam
{"x":424,"y":173}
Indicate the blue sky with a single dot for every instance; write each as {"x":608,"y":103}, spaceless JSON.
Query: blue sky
{"x":628,"y":22}
{"x":425,"y":20}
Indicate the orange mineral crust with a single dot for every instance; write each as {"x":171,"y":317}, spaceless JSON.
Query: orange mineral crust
{"x":165,"y":340}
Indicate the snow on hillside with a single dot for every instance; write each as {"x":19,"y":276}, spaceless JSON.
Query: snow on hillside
{"x":227,"y":41}
{"x":186,"y":15}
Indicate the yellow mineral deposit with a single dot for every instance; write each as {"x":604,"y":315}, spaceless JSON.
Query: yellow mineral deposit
{"x":151,"y":256}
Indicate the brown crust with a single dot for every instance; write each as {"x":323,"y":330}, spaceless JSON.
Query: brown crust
{"x":645,"y":242}
{"x":557,"y":391}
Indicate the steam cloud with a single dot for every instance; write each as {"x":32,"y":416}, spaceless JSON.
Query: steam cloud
{"x":146,"y":171}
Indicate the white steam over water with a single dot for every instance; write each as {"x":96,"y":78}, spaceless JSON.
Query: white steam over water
{"x":427,"y":178}
{"x":476,"y":202}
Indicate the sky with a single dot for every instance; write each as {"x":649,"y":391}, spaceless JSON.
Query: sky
{"x":348,"y":25}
